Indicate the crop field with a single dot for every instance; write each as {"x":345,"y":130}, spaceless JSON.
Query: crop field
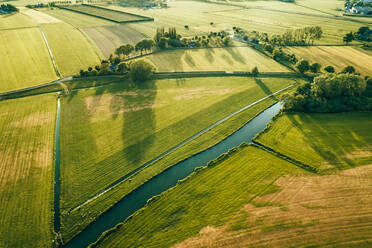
{"x":140,"y":121}
{"x":15,"y":21}
{"x":332,"y":7}
{"x":199,"y":15}
{"x":17,"y":56}
{"x":108,"y":38}
{"x":107,"y":14}
{"x":75,"y":19}
{"x":26,"y":171}
{"x":326,"y":141}
{"x":214,"y":59}
{"x":200,"y":203}
{"x":338,"y":57}
{"x":38,"y":17}
{"x":72,"y":51}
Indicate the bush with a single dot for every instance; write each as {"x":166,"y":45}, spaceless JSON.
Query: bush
{"x":303,"y":66}
{"x":349,"y":69}
{"x":141,"y":70}
{"x":315,"y":67}
{"x":329,"y":69}
{"x":255,"y":71}
{"x":122,"y":68}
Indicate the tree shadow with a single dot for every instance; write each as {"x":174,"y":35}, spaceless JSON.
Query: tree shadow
{"x":265,"y":89}
{"x":189,"y":60}
{"x":209,"y":55}
{"x":236,"y":55}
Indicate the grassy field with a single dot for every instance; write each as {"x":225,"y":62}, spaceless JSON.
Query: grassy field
{"x":107,"y":14}
{"x":212,"y":197}
{"x":76,"y":19}
{"x":108,"y":38}
{"x":72,"y":51}
{"x":199,"y":15}
{"x":140,"y":121}
{"x":38,"y":17}
{"x":325,"y":141}
{"x":214,"y":59}
{"x":338,"y":57}
{"x":332,"y":7}
{"x":15,"y":21}
{"x":24,"y":64}
{"x":26,"y":171}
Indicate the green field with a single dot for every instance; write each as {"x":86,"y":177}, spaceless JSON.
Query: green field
{"x":214,"y":59}
{"x":212,"y":197}
{"x":107,"y":14}
{"x":24,"y":64}
{"x":142,"y":123}
{"x":108,"y":38}
{"x":199,"y":15}
{"x":26,"y":171}
{"x":324,"y":141}
{"x":71,"y":49}
{"x":337,"y":56}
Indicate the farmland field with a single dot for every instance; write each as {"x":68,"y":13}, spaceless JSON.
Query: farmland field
{"x":17,"y":56}
{"x":210,"y":198}
{"x":26,"y":171}
{"x":140,"y":121}
{"x":107,"y":14}
{"x":15,"y":21}
{"x":108,"y":38}
{"x":326,"y":141}
{"x":72,"y":51}
{"x":338,"y":57}
{"x":214,"y":59}
{"x":39,"y":17}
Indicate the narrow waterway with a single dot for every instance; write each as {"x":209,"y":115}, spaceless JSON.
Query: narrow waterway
{"x":57,"y":182}
{"x":169,"y":178}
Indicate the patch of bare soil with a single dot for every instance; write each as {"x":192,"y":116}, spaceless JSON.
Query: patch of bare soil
{"x":328,"y":211}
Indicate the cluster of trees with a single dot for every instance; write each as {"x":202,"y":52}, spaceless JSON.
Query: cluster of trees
{"x":363,"y":34}
{"x":126,"y":50}
{"x":301,"y":36}
{"x":331,"y":93}
{"x":304,"y":66}
{"x":7,"y":8}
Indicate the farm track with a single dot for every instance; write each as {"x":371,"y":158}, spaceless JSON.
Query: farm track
{"x":149,"y":163}
{"x":50,"y":53}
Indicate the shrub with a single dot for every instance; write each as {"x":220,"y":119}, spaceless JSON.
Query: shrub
{"x":141,"y":70}
{"x":329,"y":69}
{"x":349,"y":69}
{"x":315,"y":67}
{"x":255,"y":71}
{"x":122,"y":67}
{"x":303,"y":66}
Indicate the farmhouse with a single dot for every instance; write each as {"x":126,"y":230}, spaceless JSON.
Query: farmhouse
{"x":361,"y":10}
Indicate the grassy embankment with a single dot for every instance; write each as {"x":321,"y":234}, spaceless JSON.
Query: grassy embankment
{"x":328,"y":142}
{"x":150,"y":120}
{"x":26,"y":171}
{"x":211,"y":197}
{"x":214,"y":59}
{"x":338,"y":57}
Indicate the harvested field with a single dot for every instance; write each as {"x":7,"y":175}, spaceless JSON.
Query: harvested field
{"x":108,"y":38}
{"x":116,"y":130}
{"x":72,"y":51}
{"x":39,"y":17}
{"x":211,"y":197}
{"x":312,"y":211}
{"x":24,"y":64}
{"x":107,"y":14}
{"x":326,"y":141}
{"x":26,"y":171}
{"x":214,"y":59}
{"x":337,"y":56}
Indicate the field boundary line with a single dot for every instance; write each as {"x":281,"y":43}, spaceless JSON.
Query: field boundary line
{"x":50,"y":52}
{"x":149,"y":163}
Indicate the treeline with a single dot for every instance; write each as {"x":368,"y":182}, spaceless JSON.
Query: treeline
{"x":331,"y":93}
{"x":300,"y":36}
{"x":50,"y":4}
{"x":7,"y":8}
{"x":363,"y":34}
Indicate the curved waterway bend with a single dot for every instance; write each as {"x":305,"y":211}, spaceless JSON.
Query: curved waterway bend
{"x":169,"y":178}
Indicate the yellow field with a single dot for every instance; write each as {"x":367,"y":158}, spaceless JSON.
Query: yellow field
{"x":339,"y":57}
{"x":25,"y":60}
{"x":26,"y":171}
{"x":15,"y":21}
{"x":214,"y":59}
{"x":71,"y":49}
{"x":38,"y":17}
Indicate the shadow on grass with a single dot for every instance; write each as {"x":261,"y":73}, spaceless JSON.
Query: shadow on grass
{"x":265,"y":89}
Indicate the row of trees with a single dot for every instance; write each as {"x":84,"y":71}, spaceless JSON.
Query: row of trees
{"x":7,"y":8}
{"x":363,"y":34}
{"x":304,"y":66}
{"x":331,"y":93}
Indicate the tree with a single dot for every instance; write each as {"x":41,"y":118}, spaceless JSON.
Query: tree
{"x":141,"y":70}
{"x":127,"y":49}
{"x":329,"y":69}
{"x":186,"y":26}
{"x":315,"y":67}
{"x":349,"y":37}
{"x":303,"y":66}
{"x":349,"y":69}
{"x":255,"y":71}
{"x":122,"y":67}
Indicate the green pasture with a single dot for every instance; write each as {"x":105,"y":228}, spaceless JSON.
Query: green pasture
{"x":337,"y":56}
{"x":71,"y":49}
{"x":117,"y":129}
{"x":210,"y":198}
{"x":24,"y":64}
{"x":325,"y":141}
{"x":27,"y":128}
{"x":214,"y":59}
